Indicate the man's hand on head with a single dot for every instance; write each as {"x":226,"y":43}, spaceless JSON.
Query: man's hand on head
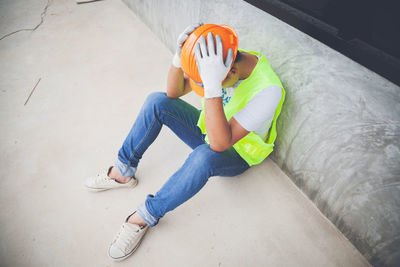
{"x":176,"y":61}
{"x":210,"y":63}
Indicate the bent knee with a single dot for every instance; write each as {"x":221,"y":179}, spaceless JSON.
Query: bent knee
{"x":156,"y":97}
{"x":203,"y":155}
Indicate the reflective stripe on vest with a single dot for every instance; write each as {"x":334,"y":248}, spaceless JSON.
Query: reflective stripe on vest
{"x":252,"y":148}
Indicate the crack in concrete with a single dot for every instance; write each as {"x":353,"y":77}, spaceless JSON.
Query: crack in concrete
{"x":33,"y":29}
{"x":32,"y":91}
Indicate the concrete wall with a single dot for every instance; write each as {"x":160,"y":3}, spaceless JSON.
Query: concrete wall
{"x":339,"y":132}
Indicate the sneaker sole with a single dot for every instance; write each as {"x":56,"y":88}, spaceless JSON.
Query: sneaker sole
{"x":91,"y":189}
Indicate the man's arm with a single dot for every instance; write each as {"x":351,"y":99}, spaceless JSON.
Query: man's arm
{"x":257,"y":115}
{"x":177,"y":84}
{"x":221,"y":133}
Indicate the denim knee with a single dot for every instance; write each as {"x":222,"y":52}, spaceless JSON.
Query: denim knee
{"x":212,"y":163}
{"x":156,"y":99}
{"x":202,"y":158}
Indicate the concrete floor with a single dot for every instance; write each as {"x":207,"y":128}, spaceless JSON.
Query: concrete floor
{"x":97,"y":62}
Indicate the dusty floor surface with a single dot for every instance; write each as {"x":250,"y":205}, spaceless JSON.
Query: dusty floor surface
{"x":96,"y":64}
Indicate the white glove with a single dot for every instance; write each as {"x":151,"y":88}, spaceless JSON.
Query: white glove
{"x":176,"y":61}
{"x":211,"y":65}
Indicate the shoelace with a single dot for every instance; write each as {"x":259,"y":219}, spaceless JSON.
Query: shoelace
{"x":125,"y":237}
{"x":103,"y":179}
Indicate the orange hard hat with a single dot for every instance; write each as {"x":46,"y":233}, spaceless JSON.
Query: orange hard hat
{"x":188,"y":62}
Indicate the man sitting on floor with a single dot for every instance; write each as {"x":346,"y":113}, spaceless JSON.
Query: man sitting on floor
{"x":235,"y":130}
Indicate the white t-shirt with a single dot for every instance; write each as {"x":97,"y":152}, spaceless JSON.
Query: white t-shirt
{"x":259,"y":112}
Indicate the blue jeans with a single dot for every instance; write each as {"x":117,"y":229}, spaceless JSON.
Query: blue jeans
{"x":202,"y":163}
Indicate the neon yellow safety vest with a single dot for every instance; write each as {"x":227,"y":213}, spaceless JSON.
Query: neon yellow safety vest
{"x":252,"y":148}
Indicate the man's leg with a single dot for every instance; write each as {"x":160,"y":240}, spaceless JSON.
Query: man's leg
{"x":158,"y":110}
{"x":189,"y":179}
{"x":185,"y":183}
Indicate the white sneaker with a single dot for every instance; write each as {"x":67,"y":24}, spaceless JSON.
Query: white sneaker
{"x":102,"y":182}
{"x":126,"y":241}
